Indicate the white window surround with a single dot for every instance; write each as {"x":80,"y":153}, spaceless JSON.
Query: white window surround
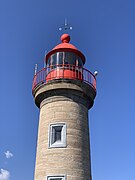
{"x":59,"y":177}
{"x":57,"y":135}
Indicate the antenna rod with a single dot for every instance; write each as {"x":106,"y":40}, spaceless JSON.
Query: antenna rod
{"x":36,"y":66}
{"x":66,"y":22}
{"x":45,"y":58}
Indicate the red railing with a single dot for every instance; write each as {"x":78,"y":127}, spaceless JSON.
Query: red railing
{"x":63,"y":71}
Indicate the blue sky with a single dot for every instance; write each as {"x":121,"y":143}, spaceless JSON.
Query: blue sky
{"x":105,"y":32}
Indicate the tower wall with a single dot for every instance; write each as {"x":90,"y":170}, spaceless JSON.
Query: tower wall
{"x":73,"y":160}
{"x":64,"y":102}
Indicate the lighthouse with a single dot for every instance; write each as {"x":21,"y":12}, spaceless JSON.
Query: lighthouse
{"x":64,"y":91}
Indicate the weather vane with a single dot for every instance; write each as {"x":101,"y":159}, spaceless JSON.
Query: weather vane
{"x":66,"y":26}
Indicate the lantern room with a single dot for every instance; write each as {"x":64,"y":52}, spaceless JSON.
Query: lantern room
{"x":64,"y":61}
{"x":65,"y":53}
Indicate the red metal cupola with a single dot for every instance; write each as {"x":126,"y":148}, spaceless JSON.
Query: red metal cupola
{"x":64,"y":62}
{"x":65,"y":46}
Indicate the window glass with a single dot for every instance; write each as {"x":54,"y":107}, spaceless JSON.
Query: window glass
{"x":57,"y":58}
{"x":66,"y":58}
{"x":48,"y":62}
{"x":53,"y":59}
{"x":70,"y":58}
{"x":80,"y":63}
{"x":58,"y":131}
{"x":60,"y":58}
{"x":56,"y":178}
{"x":57,"y":135}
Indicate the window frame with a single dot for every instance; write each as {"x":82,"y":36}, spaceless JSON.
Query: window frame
{"x":50,"y":177}
{"x":52,"y":129}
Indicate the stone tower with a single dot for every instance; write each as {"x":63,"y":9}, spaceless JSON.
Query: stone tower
{"x":64,"y":91}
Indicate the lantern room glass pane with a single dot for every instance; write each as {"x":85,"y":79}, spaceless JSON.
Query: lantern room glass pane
{"x":49,"y":62}
{"x":60,"y":58}
{"x":80,"y":63}
{"x":53,"y":59}
{"x":70,"y":58}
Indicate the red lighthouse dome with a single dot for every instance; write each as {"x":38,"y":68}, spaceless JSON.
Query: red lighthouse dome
{"x":68,"y":49}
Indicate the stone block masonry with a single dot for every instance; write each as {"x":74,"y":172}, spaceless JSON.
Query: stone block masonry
{"x":64,"y":103}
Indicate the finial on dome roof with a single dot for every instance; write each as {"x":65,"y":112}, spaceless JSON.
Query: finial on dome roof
{"x":65,"y":38}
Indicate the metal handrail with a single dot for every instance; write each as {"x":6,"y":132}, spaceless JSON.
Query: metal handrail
{"x":65,"y":71}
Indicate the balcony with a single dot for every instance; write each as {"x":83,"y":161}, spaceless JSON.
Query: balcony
{"x":65,"y":71}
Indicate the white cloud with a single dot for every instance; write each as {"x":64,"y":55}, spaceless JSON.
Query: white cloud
{"x":4,"y":174}
{"x":8,"y":154}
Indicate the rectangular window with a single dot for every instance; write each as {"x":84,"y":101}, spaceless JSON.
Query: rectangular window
{"x":56,"y":178}
{"x":58,"y":132}
{"x":57,"y":135}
